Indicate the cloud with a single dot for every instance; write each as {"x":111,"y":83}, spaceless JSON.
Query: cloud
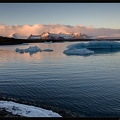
{"x":26,"y":30}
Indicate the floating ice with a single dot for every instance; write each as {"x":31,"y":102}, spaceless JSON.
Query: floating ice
{"x":87,"y":48}
{"x":31,"y":49}
{"x":17,"y":49}
{"x":27,"y":110}
{"x":82,"y":51}
{"x":96,"y":44}
{"x":48,"y":50}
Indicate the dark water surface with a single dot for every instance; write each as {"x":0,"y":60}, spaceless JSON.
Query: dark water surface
{"x":88,"y":85}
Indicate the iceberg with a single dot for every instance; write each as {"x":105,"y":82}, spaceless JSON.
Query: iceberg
{"x":96,"y":45}
{"x":17,"y":49}
{"x":26,"y":110}
{"x":92,"y":47}
{"x":82,"y":51}
{"x":31,"y":49}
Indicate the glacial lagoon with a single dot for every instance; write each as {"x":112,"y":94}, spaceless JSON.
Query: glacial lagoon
{"x":85,"y":85}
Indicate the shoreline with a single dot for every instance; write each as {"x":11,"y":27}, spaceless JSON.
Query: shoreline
{"x":4,"y":113}
{"x":13,"y":41}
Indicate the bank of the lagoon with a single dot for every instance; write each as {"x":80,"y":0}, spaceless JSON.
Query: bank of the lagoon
{"x":13,"y":41}
{"x":70,"y":85}
{"x":7,"y":98}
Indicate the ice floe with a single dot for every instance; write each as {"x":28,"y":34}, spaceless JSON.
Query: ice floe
{"x":96,"y":44}
{"x":27,"y":110}
{"x":91,"y":47}
{"x":31,"y":49}
{"x":82,"y":51}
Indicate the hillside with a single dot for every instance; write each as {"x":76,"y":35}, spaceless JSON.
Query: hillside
{"x":9,"y":41}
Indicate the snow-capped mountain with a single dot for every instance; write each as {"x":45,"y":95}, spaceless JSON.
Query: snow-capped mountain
{"x":17,"y":36}
{"x":34,"y":37}
{"x":59,"y":36}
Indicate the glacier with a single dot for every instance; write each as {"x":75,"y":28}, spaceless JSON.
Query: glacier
{"x":26,"y":110}
{"x":92,"y":47}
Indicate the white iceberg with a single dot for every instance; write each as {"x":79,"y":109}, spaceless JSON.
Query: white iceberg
{"x":82,"y":51}
{"x":91,"y":47}
{"x":26,"y":110}
{"x":31,"y":49}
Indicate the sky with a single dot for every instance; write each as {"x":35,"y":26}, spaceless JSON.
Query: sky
{"x":96,"y":15}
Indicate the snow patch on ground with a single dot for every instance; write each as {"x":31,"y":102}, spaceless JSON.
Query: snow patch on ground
{"x":27,"y":110}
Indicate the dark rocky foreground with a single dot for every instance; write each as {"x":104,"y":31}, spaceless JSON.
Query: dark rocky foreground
{"x":62,"y":112}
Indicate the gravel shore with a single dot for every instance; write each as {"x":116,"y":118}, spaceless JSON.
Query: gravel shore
{"x":4,"y":113}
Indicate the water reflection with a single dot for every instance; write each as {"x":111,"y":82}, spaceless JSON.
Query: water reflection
{"x":8,"y":54}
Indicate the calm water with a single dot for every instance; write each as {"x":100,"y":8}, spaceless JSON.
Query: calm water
{"x":88,"y":85}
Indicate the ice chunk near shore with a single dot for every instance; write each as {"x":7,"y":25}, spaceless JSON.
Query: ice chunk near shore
{"x":82,"y":51}
{"x":27,"y":110}
{"x":31,"y":49}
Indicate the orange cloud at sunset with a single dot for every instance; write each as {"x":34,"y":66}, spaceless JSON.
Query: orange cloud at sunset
{"x":24,"y":31}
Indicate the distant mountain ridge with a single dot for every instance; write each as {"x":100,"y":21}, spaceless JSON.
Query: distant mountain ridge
{"x":54,"y":36}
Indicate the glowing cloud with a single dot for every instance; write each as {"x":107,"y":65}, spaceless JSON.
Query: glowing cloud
{"x":26,"y":30}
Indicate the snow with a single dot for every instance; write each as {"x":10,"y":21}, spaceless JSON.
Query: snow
{"x":82,"y":51}
{"x":87,"y":48}
{"x":31,"y":49}
{"x":27,"y":110}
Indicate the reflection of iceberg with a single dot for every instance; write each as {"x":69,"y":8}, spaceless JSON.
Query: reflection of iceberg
{"x":93,"y":47}
{"x":31,"y":50}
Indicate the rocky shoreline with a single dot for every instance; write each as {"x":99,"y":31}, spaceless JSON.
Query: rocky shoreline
{"x":4,"y":113}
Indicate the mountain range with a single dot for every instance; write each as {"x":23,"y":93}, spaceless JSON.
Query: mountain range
{"x":54,"y":36}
